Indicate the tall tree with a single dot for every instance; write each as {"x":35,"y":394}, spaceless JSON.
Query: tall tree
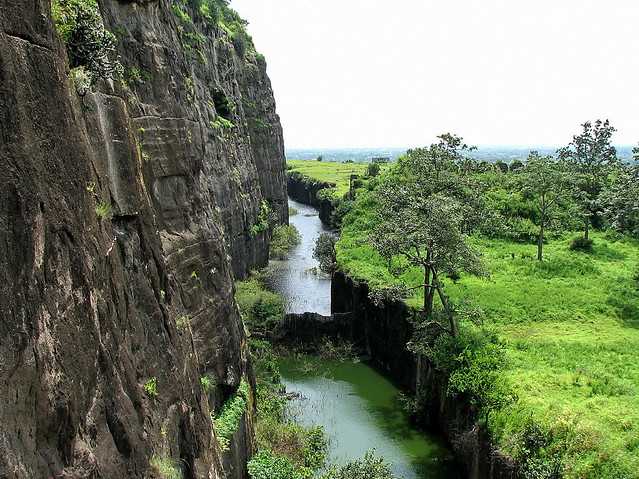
{"x":421,"y":217}
{"x":621,"y":200}
{"x":544,"y":183}
{"x":591,"y":157}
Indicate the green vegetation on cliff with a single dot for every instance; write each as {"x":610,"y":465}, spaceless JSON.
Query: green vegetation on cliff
{"x":569,"y":325}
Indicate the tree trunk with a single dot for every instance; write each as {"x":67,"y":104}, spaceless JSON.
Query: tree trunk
{"x":454,"y":329}
{"x":587,"y":229}
{"x":540,"y":243}
{"x":428,"y":288}
{"x":428,"y":302}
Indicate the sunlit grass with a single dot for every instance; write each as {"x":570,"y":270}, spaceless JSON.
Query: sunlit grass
{"x":330,"y":172}
{"x":571,"y":325}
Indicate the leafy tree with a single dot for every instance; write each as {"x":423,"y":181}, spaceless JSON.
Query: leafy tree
{"x":421,"y":216}
{"x":320,"y":158}
{"x":545,"y":184}
{"x":620,"y":201}
{"x":373,"y":169}
{"x":501,"y":166}
{"x":516,"y":165}
{"x":324,"y":252}
{"x":590,"y":157}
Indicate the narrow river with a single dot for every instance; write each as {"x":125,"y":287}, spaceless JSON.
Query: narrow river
{"x":358,"y":407}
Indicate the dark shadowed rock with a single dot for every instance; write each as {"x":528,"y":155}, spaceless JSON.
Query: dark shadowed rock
{"x":94,"y":307}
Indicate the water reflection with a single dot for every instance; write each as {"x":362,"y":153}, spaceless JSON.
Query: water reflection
{"x":359,"y":410}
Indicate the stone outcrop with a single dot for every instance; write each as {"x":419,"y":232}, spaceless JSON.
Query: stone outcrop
{"x":304,"y":190}
{"x":125,"y":215}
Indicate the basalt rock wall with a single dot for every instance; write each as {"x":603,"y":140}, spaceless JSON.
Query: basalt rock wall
{"x":125,"y":215}
{"x":304,"y":190}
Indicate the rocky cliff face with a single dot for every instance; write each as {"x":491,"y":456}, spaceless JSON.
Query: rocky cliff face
{"x":125,"y":214}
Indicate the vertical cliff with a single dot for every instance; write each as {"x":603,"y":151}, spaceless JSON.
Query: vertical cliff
{"x":125,"y":214}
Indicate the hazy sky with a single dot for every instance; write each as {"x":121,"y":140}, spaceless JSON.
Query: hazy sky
{"x":368,"y":73}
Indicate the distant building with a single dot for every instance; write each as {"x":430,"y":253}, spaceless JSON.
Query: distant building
{"x":381,"y":159}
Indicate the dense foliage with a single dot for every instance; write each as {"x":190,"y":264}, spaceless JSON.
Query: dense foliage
{"x":261,"y":309}
{"x":227,"y":421}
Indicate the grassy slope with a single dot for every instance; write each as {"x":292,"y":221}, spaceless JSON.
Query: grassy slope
{"x":329,"y":172}
{"x":571,"y":325}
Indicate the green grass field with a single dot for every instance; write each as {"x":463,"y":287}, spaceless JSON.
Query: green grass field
{"x":571,"y":327}
{"x":330,"y":172}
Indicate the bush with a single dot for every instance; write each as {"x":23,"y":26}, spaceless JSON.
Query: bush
{"x":340,"y":210}
{"x":370,"y":467}
{"x":516,"y":165}
{"x":473,"y":363}
{"x":88,"y":43}
{"x":373,"y":169}
{"x":261,"y":309}
{"x":266,"y":465}
{"x":581,"y":244}
{"x":501,"y":166}
{"x":537,"y":455}
{"x":324,"y":252}
{"x":284,"y":238}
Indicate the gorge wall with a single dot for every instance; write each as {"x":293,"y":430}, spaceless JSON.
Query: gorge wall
{"x":125,"y":215}
{"x":304,"y":190}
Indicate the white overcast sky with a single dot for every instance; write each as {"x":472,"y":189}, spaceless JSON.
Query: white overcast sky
{"x":372,"y":73}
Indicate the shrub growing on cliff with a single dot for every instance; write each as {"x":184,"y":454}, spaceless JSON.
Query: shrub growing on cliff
{"x":151,"y":387}
{"x":264,"y":220}
{"x":228,"y":420}
{"x":472,"y":362}
{"x":88,"y":43}
{"x":166,"y":467}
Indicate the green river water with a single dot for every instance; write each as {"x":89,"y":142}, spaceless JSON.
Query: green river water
{"x":359,"y":410}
